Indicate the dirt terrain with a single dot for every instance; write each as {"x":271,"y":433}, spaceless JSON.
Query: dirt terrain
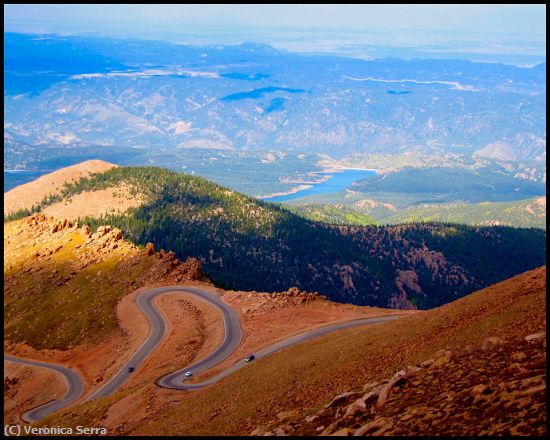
{"x":495,"y":388}
{"x":29,"y":194}
{"x":267,"y":318}
{"x":280,"y":391}
{"x":95,"y":203}
{"x":26,"y":387}
{"x":299,"y":382}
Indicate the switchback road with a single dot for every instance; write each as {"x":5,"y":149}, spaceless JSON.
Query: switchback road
{"x":176,"y":379}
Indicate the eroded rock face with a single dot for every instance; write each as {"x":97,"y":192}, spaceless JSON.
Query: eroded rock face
{"x":193,"y":269}
{"x":397,"y":379}
{"x":341,"y":398}
{"x":60,"y":225}
{"x":357,"y":407}
{"x":116,"y":234}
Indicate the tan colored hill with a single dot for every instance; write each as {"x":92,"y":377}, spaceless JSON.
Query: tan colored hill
{"x":29,"y":194}
{"x":95,"y":203}
{"x":280,"y":391}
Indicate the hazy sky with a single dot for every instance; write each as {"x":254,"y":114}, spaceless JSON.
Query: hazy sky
{"x":523,"y":19}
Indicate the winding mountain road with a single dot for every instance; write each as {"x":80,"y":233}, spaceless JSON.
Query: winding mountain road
{"x":75,"y":388}
{"x":232,"y":337}
{"x":176,"y":379}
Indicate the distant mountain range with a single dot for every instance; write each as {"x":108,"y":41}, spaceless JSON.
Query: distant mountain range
{"x":65,"y":94}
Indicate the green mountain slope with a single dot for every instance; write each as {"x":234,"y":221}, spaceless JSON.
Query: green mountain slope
{"x":522,"y":213}
{"x":247,"y":244}
{"x":332,"y":214}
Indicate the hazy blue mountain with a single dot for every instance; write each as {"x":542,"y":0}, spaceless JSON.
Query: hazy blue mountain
{"x":84,"y":91}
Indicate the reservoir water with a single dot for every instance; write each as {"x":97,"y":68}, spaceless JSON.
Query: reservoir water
{"x":338,"y":182}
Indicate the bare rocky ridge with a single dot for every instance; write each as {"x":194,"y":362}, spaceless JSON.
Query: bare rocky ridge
{"x":29,"y":194}
{"x":269,"y":301}
{"x":104,"y":240}
{"x":496,"y":388}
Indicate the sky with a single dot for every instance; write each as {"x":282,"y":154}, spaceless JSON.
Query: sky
{"x":513,"y":34}
{"x":509,"y":19}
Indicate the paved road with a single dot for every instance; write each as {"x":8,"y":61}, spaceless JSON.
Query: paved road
{"x":176,"y":379}
{"x":232,"y":337}
{"x":75,"y":388}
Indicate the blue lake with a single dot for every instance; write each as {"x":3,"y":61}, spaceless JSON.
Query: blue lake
{"x":257,"y":93}
{"x":338,"y":182}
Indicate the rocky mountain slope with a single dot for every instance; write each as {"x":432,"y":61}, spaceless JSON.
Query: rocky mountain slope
{"x":55,"y":263}
{"x":496,"y":388}
{"x":477,"y":340}
{"x":69,"y":298}
{"x":247,"y":244}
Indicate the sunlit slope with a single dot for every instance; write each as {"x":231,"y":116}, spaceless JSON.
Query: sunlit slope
{"x":523,"y":213}
{"x":24,"y":197}
{"x":62,"y":283}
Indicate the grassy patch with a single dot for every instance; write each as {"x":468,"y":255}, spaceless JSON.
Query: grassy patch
{"x":60,"y":304}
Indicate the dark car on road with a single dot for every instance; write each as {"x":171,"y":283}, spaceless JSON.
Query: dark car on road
{"x":131,"y":369}
{"x":250,"y":358}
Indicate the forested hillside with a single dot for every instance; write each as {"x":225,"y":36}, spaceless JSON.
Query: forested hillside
{"x":332,"y":214}
{"x":247,"y":244}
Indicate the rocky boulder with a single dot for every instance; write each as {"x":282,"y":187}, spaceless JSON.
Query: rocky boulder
{"x":150,"y":249}
{"x":397,"y":379}
{"x":60,"y":225}
{"x":442,"y":357}
{"x":491,"y":342}
{"x":116,"y":234}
